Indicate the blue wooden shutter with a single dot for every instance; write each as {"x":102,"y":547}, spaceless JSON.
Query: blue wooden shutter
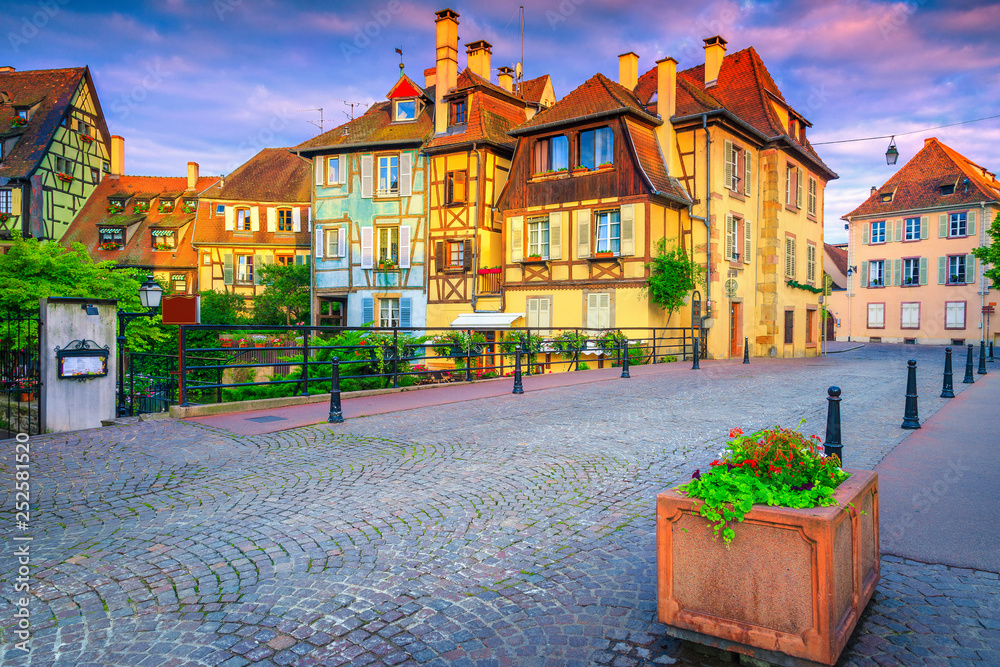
{"x":404,"y":313}
{"x":367,"y":310}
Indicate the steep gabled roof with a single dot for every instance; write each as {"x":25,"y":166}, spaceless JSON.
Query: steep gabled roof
{"x":52,"y":90}
{"x":743,"y":88}
{"x":917,"y":184}
{"x":598,"y":95}
{"x":838,"y":256}
{"x":490,"y":114}
{"x":647,"y":150}
{"x":533,"y":89}
{"x":138,"y":249}
{"x":272,"y":175}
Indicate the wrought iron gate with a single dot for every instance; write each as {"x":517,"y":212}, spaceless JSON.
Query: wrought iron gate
{"x":20,"y":373}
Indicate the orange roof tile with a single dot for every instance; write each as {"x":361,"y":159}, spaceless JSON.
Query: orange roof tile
{"x":490,"y":114}
{"x":532,"y":89}
{"x":272,"y":175}
{"x":917,"y":184}
{"x":375,"y":126}
{"x":647,"y":150}
{"x":597,"y":94}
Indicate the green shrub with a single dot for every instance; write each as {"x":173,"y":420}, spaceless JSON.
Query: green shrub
{"x":583,"y":366}
{"x":668,"y":359}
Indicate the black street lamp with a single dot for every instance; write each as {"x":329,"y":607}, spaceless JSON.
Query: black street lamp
{"x":891,"y":154}
{"x":150,"y":295}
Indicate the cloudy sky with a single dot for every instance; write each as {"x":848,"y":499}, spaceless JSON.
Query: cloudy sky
{"x":214,"y":81}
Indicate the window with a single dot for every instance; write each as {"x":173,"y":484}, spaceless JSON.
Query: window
{"x":737,"y":168}
{"x":456,"y":254}
{"x":810,"y":326}
{"x":167,"y":206}
{"x":597,"y":147}
{"x":388,"y":246}
{"x":789,"y":257}
{"x":244,"y":269}
{"x":789,"y":185}
{"x":220,"y":209}
{"x":957,"y":225}
{"x":954,"y":315}
{"x":878,"y":232}
{"x":111,"y":238}
{"x":608,"y":231}
{"x":22,"y":113}
{"x":64,"y":166}
{"x":885,"y":197}
{"x":455,"y":187}
{"x":333,"y":170}
{"x":388,"y":312}
{"x":876,"y":273}
{"x":598,"y":310}
{"x":458,"y":109}
{"x":811,"y":263}
{"x":789,"y":327}
{"x":284,"y":260}
{"x":538,"y":237}
{"x":243,"y":220}
{"x":284,"y":219}
{"x":388,"y":175}
{"x":956,"y":270}
{"x":876,"y":315}
{"x":550,"y":155}
{"x":164,"y":239}
{"x":910,"y":315}
{"x":948,"y":189}
{"x":6,"y":201}
{"x":734,"y":233}
{"x":811,"y":210}
{"x":332,"y":236}
{"x":406,"y":110}
{"x":83,"y":128}
{"x":179,"y":282}
{"x":912,"y":229}
{"x":911,"y":271}
{"x":539,"y":315}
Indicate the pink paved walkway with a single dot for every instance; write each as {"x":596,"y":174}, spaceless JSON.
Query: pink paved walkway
{"x":279,"y":419}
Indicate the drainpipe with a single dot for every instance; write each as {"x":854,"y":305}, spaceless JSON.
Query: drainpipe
{"x":708,"y":216}
{"x":480,"y":189}
{"x":982,"y":279}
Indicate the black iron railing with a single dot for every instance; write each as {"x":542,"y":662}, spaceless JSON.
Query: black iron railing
{"x":20,"y":373}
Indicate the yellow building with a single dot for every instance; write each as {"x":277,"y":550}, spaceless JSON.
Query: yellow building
{"x":255,"y":216}
{"x":54,"y":149}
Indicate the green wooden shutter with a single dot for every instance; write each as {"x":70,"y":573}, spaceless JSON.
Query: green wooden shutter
{"x":943,"y":226}
{"x":970,"y":269}
{"x":942,"y":270}
{"x":925,"y":227}
{"x":227,"y":269}
{"x":899,"y":230}
{"x":864,"y":274}
{"x":923,"y":270}
{"x":405,"y":312}
{"x":728,"y":160}
{"x":970,"y":223}
{"x":865,"y":233}
{"x":897,"y":272}
{"x":367,"y":311}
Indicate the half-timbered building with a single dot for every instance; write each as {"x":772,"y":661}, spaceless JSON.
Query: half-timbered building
{"x":54,"y":149}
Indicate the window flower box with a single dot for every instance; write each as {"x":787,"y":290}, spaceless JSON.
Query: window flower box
{"x":605,"y":166}
{"x":87,"y":139}
{"x":190,"y":208}
{"x":489,"y":271}
{"x":114,"y":209}
{"x":604,"y":255}
{"x":27,"y":396}
{"x":110,"y":245}
{"x":65,"y":178}
{"x":17,"y":121}
{"x":225,"y":342}
{"x":141,"y":208}
{"x":534,"y":258}
{"x":4,"y":217}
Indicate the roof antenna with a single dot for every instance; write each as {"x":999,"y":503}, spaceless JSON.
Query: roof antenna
{"x":521,"y":72}
{"x":400,"y":52}
{"x":312,"y":122}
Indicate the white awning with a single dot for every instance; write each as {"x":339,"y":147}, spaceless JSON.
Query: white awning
{"x":485,"y":320}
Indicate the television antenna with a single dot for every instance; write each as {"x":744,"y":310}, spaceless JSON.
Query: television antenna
{"x":312,"y":122}
{"x":352,"y":105}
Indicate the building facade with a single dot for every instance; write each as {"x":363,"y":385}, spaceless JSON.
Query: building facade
{"x":913,"y":277}
{"x":256,"y":216}
{"x":55,"y":149}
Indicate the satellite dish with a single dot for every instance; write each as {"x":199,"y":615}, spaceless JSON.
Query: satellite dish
{"x":517,"y":70}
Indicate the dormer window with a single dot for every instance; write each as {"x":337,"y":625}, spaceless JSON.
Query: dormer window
{"x":190,"y":205}
{"x":164,"y":239}
{"x":597,"y":148}
{"x":141,"y":206}
{"x":22,"y":113}
{"x":948,"y":189}
{"x":885,"y":197}
{"x":115,"y":205}
{"x":550,"y":155}
{"x":111,"y":238}
{"x":459,"y":109}
{"x":404,"y":110}
{"x":166,"y":206}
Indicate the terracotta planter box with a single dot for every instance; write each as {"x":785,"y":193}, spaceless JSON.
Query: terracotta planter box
{"x":27,"y":397}
{"x":792,"y":585}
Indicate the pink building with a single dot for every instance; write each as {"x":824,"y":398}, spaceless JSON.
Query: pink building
{"x":912,"y":277}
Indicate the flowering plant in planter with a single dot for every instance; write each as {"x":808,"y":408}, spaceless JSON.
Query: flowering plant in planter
{"x":141,"y":207}
{"x":114,"y":208}
{"x":775,"y":466}
{"x":386,"y":264}
{"x":4,"y":217}
{"x":86,"y":138}
{"x":65,"y":178}
{"x":109,"y":245}
{"x":190,"y":208}
{"x":17,"y":121}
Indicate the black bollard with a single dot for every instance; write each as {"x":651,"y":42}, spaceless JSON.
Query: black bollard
{"x":833,"y":445}
{"x":336,"y":413}
{"x":947,"y":389}
{"x":991,"y":353}
{"x":746,"y":351}
{"x":695,"y":365}
{"x":910,"y":418}
{"x":625,"y":359}
{"x":518,"y":387}
{"x":969,"y":379}
{"x":982,"y":357}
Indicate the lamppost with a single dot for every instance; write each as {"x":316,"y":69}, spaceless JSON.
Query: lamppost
{"x":851,"y":270}
{"x":150,"y":294}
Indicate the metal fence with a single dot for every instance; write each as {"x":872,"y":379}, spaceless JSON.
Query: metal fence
{"x":20,"y":373}
{"x":297,"y":361}
{"x":151,"y":381}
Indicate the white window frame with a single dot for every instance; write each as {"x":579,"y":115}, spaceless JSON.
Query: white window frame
{"x":387,"y":163}
{"x":243,"y":269}
{"x":958,"y":225}
{"x":878,"y":310}
{"x":911,"y":229}
{"x":881,"y":237}
{"x":876,"y":267}
{"x":388,"y":312}
{"x":957,"y":266}
{"x":334,"y":175}
{"x":608,"y":232}
{"x":395,"y":110}
{"x":911,"y":270}
{"x":538,"y":237}
{"x":6,"y":201}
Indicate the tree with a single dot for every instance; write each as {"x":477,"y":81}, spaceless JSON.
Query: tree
{"x":223,"y":308}
{"x":990,"y":254}
{"x":672,"y":275}
{"x":285,"y":299}
{"x":34,"y":269}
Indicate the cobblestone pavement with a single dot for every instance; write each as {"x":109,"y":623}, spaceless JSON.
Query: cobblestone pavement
{"x":508,"y":531}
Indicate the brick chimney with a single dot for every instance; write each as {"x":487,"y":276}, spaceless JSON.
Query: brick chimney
{"x":117,"y":155}
{"x":666,"y":105}
{"x":6,"y":69}
{"x":446,"y":70}
{"x":429,"y":77}
{"x":628,"y":70}
{"x":715,"y":51}
{"x":480,"y":55}
{"x":192,"y":175}
{"x":506,"y":78}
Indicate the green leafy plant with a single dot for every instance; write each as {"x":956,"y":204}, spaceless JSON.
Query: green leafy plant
{"x":775,"y":466}
{"x":672,"y":274}
{"x":611,"y":340}
{"x":568,"y":343}
{"x":989,"y":254}
{"x":809,"y":288}
{"x":583,"y":366}
{"x":669,"y":359}
{"x":530,"y":344}
{"x":459,"y":345}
